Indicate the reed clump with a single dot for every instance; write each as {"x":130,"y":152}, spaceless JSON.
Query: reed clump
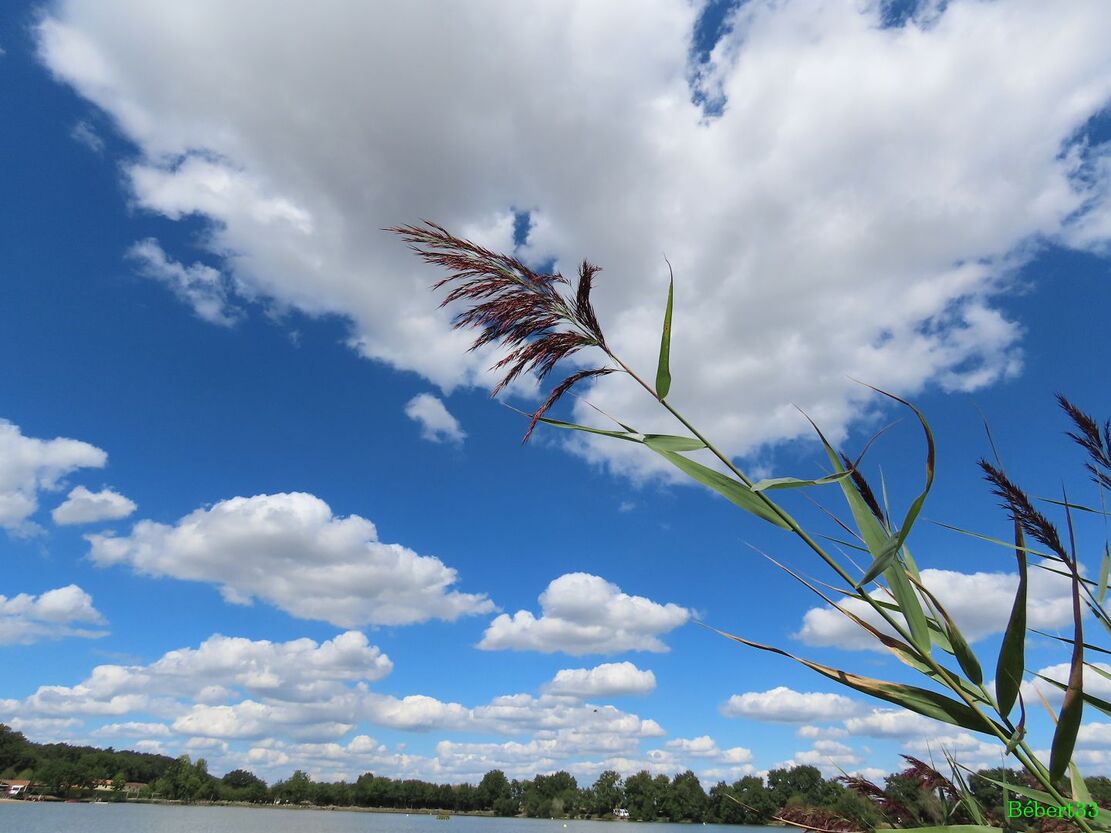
{"x":542,"y":319}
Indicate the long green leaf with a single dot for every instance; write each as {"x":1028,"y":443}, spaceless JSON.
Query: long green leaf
{"x":1079,"y":788}
{"x":732,"y":490}
{"x":1072,"y":708}
{"x":667,"y":442}
{"x":879,"y":545}
{"x":997,"y":541}
{"x":1104,"y":570}
{"x":795,"y":482}
{"x":1088,"y":646}
{"x":1097,"y":702}
{"x":572,"y":426}
{"x":884,"y":559}
{"x":1012,"y":652}
{"x":916,"y":505}
{"x":1070,"y":505}
{"x":920,"y":700}
{"x":1029,"y":792}
{"x":663,"y":369}
{"x":965,"y":657}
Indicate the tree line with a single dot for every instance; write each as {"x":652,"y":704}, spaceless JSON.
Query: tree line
{"x":916,"y":796}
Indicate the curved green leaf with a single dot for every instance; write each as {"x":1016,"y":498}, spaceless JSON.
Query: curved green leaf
{"x":1012,"y":652}
{"x":663,"y":369}
{"x":1104,"y":569}
{"x":732,"y":490}
{"x":967,"y":660}
{"x":572,"y":426}
{"x":1096,"y":702}
{"x":1072,"y":708}
{"x":795,"y":482}
{"x":880,"y":545}
{"x":1029,"y":792}
{"x":920,"y":700}
{"x":666,"y":442}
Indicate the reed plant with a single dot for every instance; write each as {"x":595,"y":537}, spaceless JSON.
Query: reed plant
{"x":542,"y":319}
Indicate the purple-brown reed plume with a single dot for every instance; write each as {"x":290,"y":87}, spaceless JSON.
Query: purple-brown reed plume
{"x":541,"y":318}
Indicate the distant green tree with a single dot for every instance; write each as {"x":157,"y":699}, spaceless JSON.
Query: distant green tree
{"x":297,"y":789}
{"x":1099,"y":786}
{"x":493,"y":787}
{"x":804,"y":784}
{"x":641,"y":795}
{"x":685,"y":799}
{"x":607,"y":794}
{"x":747,"y":801}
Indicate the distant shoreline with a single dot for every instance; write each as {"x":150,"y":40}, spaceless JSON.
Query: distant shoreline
{"x":327,"y":808}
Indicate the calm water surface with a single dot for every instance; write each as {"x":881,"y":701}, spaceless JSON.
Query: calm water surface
{"x":146,"y":818}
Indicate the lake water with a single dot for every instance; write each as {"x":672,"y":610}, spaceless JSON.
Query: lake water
{"x":147,"y":818}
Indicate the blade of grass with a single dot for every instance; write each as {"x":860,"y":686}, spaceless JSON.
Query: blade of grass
{"x":919,"y":700}
{"x":663,"y":368}
{"x":965,"y":657}
{"x":732,"y":490}
{"x":1012,"y":651}
{"x":881,"y":546}
{"x":667,"y":442}
{"x":1072,"y":708}
{"x":795,"y":482}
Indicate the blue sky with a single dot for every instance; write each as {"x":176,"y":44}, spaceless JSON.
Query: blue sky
{"x":196,"y":298}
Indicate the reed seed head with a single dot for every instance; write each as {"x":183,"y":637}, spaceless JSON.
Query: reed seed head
{"x":540,"y":318}
{"x":1022,"y":510}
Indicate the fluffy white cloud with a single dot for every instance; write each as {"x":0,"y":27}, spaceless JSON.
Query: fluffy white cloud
{"x":289,"y":550}
{"x":830,"y":756}
{"x":980,"y":604}
{"x":132,"y":729}
{"x":706,"y":747}
{"x":891,"y":723}
{"x":297,"y":674}
{"x":436,"y":424}
{"x":610,"y":679}
{"x":785,"y":705}
{"x":29,"y":465}
{"x":585,"y":614}
{"x":84,"y":507}
{"x":202,"y":287}
{"x":276,"y":705}
{"x":820,"y":732}
{"x":46,"y":729}
{"x":876,"y":252}
{"x":1034,"y":689}
{"x":1095,"y":735}
{"x":52,"y":615}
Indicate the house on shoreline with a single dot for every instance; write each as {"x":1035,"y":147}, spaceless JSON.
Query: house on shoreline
{"x":16,"y":787}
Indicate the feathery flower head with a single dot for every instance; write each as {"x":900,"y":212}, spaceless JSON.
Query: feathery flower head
{"x":541,"y":318}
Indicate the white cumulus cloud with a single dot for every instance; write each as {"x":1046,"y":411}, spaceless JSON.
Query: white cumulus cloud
{"x":785,"y":705}
{"x":436,"y":423}
{"x":202,"y":287}
{"x":84,"y":507}
{"x":64,"y":611}
{"x":291,"y":551}
{"x":585,"y":614}
{"x":610,"y":679}
{"x":29,"y":466}
{"x":891,"y":723}
{"x":829,"y":222}
{"x":980,"y":604}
